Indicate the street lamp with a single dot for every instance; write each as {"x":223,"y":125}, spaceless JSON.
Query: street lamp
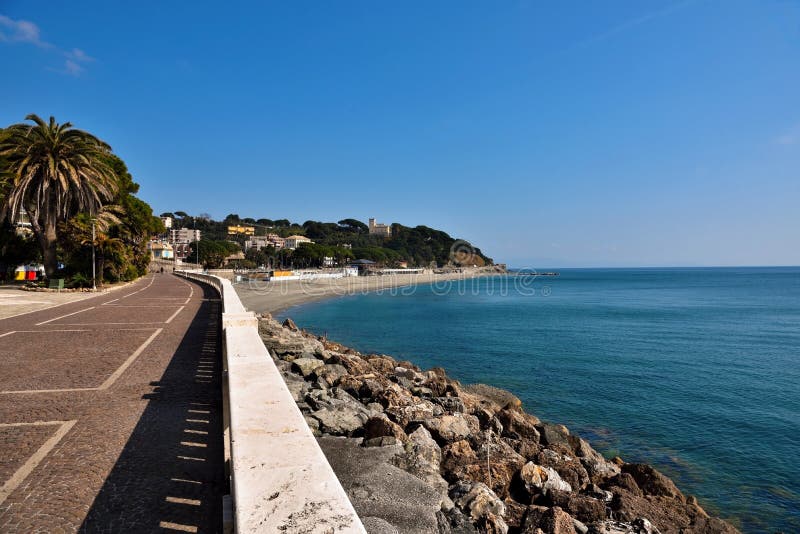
{"x":94,"y":274}
{"x":194,"y":227}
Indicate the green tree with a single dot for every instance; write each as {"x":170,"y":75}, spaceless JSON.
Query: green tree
{"x":213,"y":253}
{"x":354,"y":225}
{"x":54,"y":171}
{"x":15,"y":249}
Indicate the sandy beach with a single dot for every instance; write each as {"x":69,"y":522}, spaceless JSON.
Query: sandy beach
{"x":276,"y":296}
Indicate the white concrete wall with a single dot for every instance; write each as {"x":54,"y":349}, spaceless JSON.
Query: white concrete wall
{"x":280,"y":478}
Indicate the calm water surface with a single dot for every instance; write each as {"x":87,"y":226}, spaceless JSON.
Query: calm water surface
{"x":694,"y":370}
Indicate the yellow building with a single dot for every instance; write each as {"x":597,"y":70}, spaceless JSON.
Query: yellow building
{"x":241,"y":230}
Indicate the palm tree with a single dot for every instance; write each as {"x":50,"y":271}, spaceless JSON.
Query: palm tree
{"x":53,"y":172}
{"x":107,"y":247}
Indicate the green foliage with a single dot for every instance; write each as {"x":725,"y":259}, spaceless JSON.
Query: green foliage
{"x":314,"y":254}
{"x":78,"y":280}
{"x":212,"y":253}
{"x":15,"y":250}
{"x":98,"y":188}
{"x":419,"y":246}
{"x":53,"y":172}
{"x":354,"y":225}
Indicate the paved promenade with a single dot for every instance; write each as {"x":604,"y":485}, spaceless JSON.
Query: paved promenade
{"x":14,"y":301}
{"x":110,"y":413}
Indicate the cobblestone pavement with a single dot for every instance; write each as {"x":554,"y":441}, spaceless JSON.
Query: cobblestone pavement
{"x":111,"y":413}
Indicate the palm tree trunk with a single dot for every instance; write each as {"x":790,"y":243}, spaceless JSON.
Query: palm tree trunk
{"x":46,"y":236}
{"x":101,"y":263}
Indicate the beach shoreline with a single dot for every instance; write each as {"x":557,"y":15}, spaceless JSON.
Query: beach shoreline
{"x":278,"y":296}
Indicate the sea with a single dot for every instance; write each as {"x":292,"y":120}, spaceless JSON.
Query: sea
{"x":694,"y":370}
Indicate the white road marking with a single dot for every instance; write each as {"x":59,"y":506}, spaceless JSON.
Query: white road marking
{"x":116,"y":374}
{"x":66,"y":315}
{"x":171,"y":317}
{"x":25,"y":469}
{"x":108,"y":381}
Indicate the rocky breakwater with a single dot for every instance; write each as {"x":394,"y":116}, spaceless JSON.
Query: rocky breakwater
{"x":468,"y":458}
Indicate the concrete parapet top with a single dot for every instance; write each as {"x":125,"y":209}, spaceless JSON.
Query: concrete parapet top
{"x":280,"y":478}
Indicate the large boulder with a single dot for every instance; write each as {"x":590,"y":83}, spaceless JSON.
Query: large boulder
{"x":495,"y":396}
{"x":355,"y":365}
{"x":539,"y":479}
{"x":519,"y":425}
{"x":642,"y":526}
{"x":426,"y":448}
{"x":370,"y":389}
{"x":339,"y":421}
{"x":422,"y":459}
{"x":493,"y":524}
{"x":382,"y":364}
{"x":582,"y":507}
{"x":417,"y":412}
{"x":651,"y":482}
{"x":555,"y":436}
{"x":497,"y":469}
{"x":306,"y":366}
{"x":569,"y":468}
{"x":626,"y":482}
{"x":330,"y":373}
{"x":477,"y":500}
{"x":549,"y":520}
{"x":450,"y":404}
{"x":297,"y":387}
{"x":448,"y":428}
{"x":380,"y":426}
{"x":457,"y":455}
{"x":595,"y":464}
{"x":394,"y":395}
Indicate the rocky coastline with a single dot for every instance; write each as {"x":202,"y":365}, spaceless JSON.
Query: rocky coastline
{"x":469,"y":459}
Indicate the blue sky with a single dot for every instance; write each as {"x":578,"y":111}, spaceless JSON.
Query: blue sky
{"x":604,"y":133}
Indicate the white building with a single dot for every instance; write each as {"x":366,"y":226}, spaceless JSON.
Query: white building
{"x":160,"y":251}
{"x":379,"y":228}
{"x":261,"y":241}
{"x":294,"y":241}
{"x":167,"y":222}
{"x":183,"y":235}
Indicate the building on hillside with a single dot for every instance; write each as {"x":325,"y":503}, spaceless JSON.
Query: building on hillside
{"x":261,"y":241}
{"x":160,"y":250}
{"x":167,"y":222}
{"x":182,"y":252}
{"x":376,"y":228}
{"x":183,"y":235}
{"x":241,"y":230}
{"x":294,"y":241}
{"x":234,"y":257}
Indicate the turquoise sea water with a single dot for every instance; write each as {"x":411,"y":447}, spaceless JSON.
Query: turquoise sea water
{"x":696,"y":371}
